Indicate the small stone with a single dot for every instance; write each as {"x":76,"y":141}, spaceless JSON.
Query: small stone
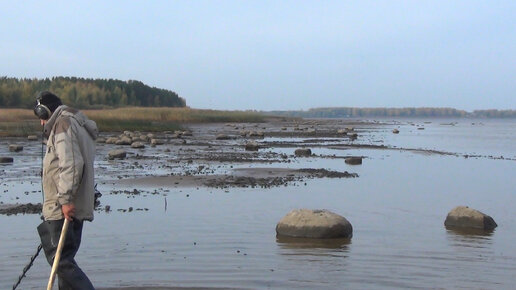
{"x":353,"y":160}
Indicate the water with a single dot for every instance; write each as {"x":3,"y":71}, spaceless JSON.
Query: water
{"x":226,"y":238}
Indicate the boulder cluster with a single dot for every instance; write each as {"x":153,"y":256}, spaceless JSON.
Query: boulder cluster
{"x":136,"y":140}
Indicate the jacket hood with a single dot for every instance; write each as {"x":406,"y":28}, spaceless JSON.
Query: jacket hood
{"x":82,"y":120}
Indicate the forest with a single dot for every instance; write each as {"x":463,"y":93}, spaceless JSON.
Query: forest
{"x":350,"y":112}
{"x":86,"y":93}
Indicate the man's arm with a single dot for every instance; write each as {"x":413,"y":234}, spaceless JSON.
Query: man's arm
{"x":71,"y":165}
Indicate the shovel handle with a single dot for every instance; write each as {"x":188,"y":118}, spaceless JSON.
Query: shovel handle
{"x":58,"y":255}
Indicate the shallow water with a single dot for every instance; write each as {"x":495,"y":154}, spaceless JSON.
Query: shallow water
{"x":226,"y":238}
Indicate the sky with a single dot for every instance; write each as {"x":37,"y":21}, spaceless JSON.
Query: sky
{"x":275,"y":55}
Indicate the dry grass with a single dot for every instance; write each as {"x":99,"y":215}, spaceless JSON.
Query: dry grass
{"x":16,"y":115}
{"x":179,"y":115}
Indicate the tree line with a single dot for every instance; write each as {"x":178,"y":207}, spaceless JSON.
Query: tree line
{"x":86,"y":93}
{"x":350,"y":112}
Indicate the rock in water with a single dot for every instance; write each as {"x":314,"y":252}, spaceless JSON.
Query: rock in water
{"x":138,"y":145}
{"x":15,"y":148}
{"x":117,"y":154}
{"x":353,"y":160}
{"x":303,"y":152}
{"x":124,"y":141}
{"x":155,"y":142}
{"x":319,"y":224}
{"x":6,"y":160}
{"x":252,"y":146}
{"x":465,"y":217}
{"x":222,"y":137}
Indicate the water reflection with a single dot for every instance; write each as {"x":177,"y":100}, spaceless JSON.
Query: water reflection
{"x":306,"y":243}
{"x":465,"y":237}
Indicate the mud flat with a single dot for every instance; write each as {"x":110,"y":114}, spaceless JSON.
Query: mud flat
{"x":244,"y":177}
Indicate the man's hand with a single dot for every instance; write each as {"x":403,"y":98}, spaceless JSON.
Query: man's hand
{"x":68,"y":211}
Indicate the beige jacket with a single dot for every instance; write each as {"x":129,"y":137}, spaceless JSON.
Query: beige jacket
{"x":68,"y":174}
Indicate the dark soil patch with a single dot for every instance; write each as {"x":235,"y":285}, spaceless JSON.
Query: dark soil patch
{"x":27,"y":208}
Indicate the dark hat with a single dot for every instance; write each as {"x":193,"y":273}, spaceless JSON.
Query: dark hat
{"x":50,"y":100}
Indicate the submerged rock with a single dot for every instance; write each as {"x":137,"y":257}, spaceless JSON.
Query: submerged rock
{"x":465,"y":217}
{"x":396,"y":131}
{"x":320,"y":224}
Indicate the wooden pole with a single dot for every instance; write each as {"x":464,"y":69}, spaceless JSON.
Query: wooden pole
{"x":58,"y":255}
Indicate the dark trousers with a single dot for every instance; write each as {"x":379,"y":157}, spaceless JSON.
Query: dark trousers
{"x":70,"y":276}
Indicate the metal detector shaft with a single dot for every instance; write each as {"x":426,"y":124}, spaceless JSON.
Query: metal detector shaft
{"x":26,"y":269}
{"x":58,"y":255}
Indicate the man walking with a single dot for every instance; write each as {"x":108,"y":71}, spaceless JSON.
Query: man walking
{"x":68,"y":184}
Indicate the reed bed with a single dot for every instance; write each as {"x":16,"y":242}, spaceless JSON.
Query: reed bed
{"x":179,"y":115}
{"x":21,"y":122}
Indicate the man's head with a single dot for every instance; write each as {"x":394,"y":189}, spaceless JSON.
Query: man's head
{"x":47,"y":104}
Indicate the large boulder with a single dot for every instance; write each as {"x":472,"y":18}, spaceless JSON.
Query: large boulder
{"x":117,"y":154}
{"x":319,"y":224}
{"x":465,"y":217}
{"x":303,"y":152}
{"x":15,"y":148}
